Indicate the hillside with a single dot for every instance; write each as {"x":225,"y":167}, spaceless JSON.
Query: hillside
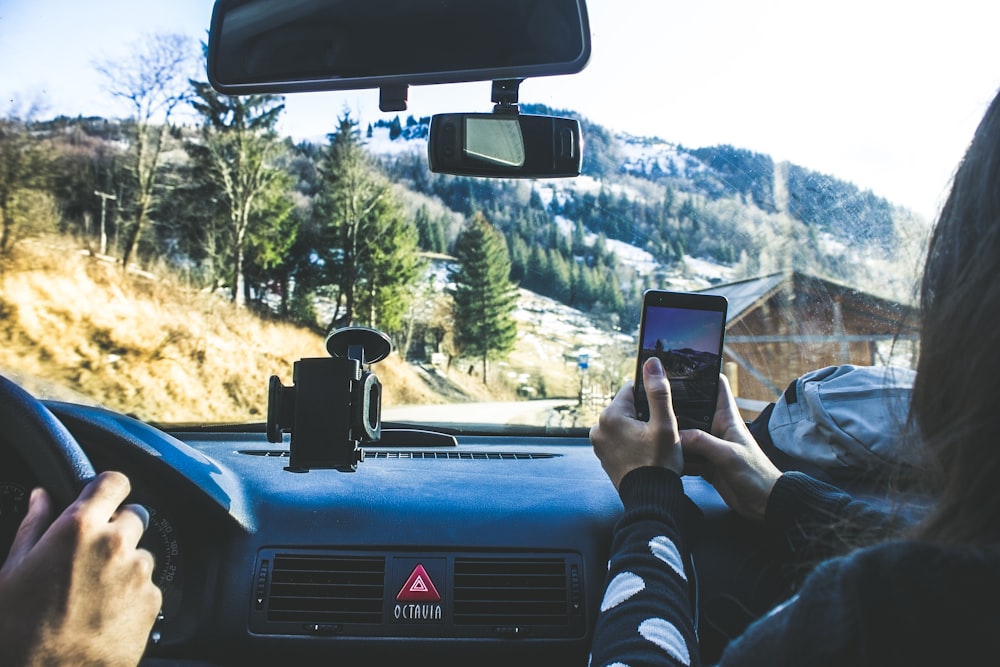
{"x":681,"y":208}
{"x":149,"y":346}
{"x":645,"y":213}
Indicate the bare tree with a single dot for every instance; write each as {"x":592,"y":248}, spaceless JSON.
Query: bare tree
{"x":236,"y":153}
{"x":153,"y":81}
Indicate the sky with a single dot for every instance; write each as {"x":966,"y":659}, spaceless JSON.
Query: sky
{"x":883,"y":93}
{"x":680,"y":328}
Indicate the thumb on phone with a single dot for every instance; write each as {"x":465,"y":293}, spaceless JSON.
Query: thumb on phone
{"x":657,"y":388}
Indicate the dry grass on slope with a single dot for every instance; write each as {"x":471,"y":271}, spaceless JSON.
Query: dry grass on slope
{"x":74,"y":327}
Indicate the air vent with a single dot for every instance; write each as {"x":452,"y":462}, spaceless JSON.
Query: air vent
{"x":512,"y":592}
{"x":375,"y":454}
{"x":505,"y":595}
{"x":325,"y":590}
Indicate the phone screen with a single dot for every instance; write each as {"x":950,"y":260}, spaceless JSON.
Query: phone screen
{"x":686,"y":331}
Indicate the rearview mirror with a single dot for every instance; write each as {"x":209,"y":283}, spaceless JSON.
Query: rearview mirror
{"x":265,"y":46}
{"x":504,"y":145}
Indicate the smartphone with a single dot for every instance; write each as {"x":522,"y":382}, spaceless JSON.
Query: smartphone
{"x":686,"y":331}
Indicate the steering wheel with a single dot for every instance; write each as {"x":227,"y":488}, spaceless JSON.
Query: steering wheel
{"x":45,"y":445}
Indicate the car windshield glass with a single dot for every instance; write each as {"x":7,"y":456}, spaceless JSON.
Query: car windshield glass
{"x":165,"y":250}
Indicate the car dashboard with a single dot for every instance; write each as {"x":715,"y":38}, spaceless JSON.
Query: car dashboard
{"x":488,"y":549}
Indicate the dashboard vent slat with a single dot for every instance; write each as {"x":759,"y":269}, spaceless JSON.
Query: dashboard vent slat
{"x":511,"y":592}
{"x":326,"y":589}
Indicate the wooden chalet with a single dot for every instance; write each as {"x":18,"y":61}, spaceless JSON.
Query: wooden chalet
{"x":782,"y":325}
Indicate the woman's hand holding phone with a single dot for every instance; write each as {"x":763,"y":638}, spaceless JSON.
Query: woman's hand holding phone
{"x":733,"y":462}
{"x":728,"y":457}
{"x":623,"y":442}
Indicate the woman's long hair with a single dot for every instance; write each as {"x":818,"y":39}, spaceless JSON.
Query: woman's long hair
{"x":956,"y":395}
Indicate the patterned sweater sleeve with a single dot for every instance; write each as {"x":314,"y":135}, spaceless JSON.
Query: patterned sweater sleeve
{"x":646,"y":615}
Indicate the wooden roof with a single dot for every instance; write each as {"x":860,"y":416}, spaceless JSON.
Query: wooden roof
{"x":747,"y":295}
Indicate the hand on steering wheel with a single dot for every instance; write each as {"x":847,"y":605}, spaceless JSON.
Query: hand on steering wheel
{"x":75,"y":589}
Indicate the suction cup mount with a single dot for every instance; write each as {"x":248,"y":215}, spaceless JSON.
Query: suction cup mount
{"x":364,"y":345}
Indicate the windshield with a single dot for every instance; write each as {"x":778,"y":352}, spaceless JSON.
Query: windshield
{"x":165,"y":250}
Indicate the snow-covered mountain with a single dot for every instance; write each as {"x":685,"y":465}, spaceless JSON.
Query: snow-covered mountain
{"x":756,"y":216}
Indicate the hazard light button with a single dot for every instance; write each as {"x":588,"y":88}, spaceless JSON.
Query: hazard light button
{"x":418,"y":587}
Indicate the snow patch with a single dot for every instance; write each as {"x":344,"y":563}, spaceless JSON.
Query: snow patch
{"x":707,"y":269}
{"x":830,"y":245}
{"x":380,"y":143}
{"x":651,"y":157}
{"x":629,"y":255}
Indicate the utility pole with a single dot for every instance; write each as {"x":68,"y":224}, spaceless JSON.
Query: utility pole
{"x":104,"y":234}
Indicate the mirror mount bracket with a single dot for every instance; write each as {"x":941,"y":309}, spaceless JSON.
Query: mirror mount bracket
{"x":393,"y":98}
{"x":504,"y":96}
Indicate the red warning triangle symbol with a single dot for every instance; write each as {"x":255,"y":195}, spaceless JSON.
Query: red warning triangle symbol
{"x":418,"y":587}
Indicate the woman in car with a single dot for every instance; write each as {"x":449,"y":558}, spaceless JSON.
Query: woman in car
{"x":924,"y":595}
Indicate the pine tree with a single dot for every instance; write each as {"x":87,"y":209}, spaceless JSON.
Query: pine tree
{"x":579,"y":239}
{"x":391,"y":270}
{"x":537,"y":270}
{"x":362,"y":234}
{"x":272,"y":236}
{"x":430,"y":231}
{"x":395,"y":129}
{"x":560,"y":284}
{"x":586,"y":287}
{"x":485,"y":298}
{"x":519,"y":258}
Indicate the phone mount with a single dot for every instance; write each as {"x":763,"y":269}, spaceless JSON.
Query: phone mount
{"x":334,"y":404}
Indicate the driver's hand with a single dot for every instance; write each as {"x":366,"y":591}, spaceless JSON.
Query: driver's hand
{"x":623,"y":443}
{"x":78,"y":591}
{"x":737,"y":467}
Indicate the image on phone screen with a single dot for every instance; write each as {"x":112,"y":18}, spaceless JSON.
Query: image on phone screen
{"x":686,"y":332}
